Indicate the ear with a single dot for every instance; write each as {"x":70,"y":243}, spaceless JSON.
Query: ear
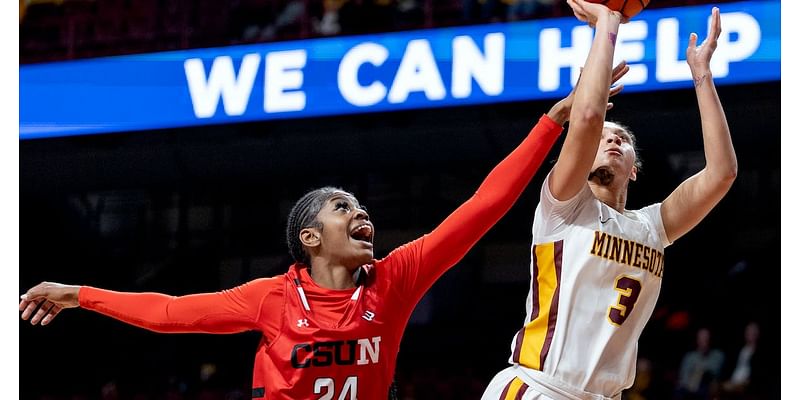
{"x":309,"y":237}
{"x":634,"y":171}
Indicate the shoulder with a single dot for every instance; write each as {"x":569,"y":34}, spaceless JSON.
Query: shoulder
{"x":553,"y":205}
{"x":262,"y":287}
{"x":268,"y":282}
{"x":403,"y":253}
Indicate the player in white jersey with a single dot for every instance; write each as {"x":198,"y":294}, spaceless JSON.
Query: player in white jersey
{"x":596,"y":267}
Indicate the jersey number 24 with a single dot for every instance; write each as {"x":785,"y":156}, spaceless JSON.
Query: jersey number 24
{"x":349,"y":389}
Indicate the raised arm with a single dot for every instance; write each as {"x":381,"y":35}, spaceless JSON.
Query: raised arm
{"x":589,"y":109}
{"x":427,"y":258}
{"x":454,"y":237}
{"x":227,"y":311}
{"x":693,"y":199}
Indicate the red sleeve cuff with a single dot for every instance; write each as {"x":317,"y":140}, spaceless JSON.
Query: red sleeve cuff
{"x":550,"y":125}
{"x":84,"y":296}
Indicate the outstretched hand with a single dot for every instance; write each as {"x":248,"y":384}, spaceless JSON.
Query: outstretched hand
{"x":590,"y":12}
{"x":560,"y":111}
{"x":49,"y":298}
{"x":699,"y":57}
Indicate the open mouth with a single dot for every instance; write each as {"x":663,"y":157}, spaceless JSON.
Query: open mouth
{"x":614,"y":151}
{"x":362,"y":233}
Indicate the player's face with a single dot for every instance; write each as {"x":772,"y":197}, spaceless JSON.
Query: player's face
{"x":347,"y":233}
{"x":616,"y":152}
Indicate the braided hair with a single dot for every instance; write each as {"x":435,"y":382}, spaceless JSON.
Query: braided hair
{"x":304,"y":215}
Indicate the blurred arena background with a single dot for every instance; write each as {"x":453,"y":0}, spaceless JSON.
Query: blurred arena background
{"x":202,"y":208}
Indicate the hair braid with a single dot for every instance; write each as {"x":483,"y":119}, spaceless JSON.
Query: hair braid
{"x":304,"y":215}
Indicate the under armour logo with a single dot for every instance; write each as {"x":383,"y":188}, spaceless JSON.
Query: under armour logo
{"x":368,"y":315}
{"x":302,"y":322}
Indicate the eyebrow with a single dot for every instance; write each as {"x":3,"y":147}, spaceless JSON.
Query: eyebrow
{"x":346,"y":198}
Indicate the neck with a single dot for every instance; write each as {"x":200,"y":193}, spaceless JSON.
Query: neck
{"x":614,"y":194}
{"x":331,"y":276}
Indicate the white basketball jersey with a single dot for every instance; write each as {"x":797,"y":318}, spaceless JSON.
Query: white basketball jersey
{"x":595,"y":278}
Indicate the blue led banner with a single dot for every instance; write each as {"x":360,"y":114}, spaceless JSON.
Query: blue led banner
{"x":394,"y":71}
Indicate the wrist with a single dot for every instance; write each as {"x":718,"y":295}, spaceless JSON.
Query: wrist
{"x":74,"y":295}
{"x":559,"y":114}
{"x":611,"y":19}
{"x":700,"y":77}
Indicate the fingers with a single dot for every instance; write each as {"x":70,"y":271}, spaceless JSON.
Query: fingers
{"x":51,"y":314}
{"x":619,"y":71}
{"x":692,"y":41}
{"x":44,"y":309}
{"x":615,"y":90}
{"x":622,"y":64}
{"x":716,"y":24}
{"x":31,"y":300}
{"x":23,"y":303}
{"x":573,"y":4}
{"x":608,"y":107}
{"x":578,"y":10}
{"x":28,"y":307}
{"x":581,"y":17}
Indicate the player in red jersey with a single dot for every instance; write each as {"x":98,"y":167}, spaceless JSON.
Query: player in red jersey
{"x":331,"y":326}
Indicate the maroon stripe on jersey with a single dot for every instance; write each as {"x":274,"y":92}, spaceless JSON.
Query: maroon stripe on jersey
{"x":521,"y":391}
{"x":558,"y":248}
{"x":505,"y":390}
{"x":518,"y":344}
{"x":534,"y":285}
{"x":534,"y":304}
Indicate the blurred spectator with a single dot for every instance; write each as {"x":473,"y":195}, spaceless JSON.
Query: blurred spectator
{"x":738,"y":385}
{"x":109,"y":391}
{"x":287,"y":23}
{"x":641,"y":388}
{"x":328,"y":23}
{"x":409,"y":14}
{"x":521,"y":9}
{"x":700,"y":369}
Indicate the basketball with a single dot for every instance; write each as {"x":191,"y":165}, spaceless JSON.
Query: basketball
{"x":628,"y":8}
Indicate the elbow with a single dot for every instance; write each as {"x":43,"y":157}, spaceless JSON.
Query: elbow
{"x":590,"y":116}
{"x":726,"y":176}
{"x":732,"y":173}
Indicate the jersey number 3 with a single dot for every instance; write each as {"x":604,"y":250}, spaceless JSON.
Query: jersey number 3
{"x":349,"y":389}
{"x":629,"y":290}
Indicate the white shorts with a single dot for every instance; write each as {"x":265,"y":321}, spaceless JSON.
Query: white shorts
{"x":506,"y":385}
{"x":518,"y":383}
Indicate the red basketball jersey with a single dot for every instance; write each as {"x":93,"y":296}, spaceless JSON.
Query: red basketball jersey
{"x":312,"y":358}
